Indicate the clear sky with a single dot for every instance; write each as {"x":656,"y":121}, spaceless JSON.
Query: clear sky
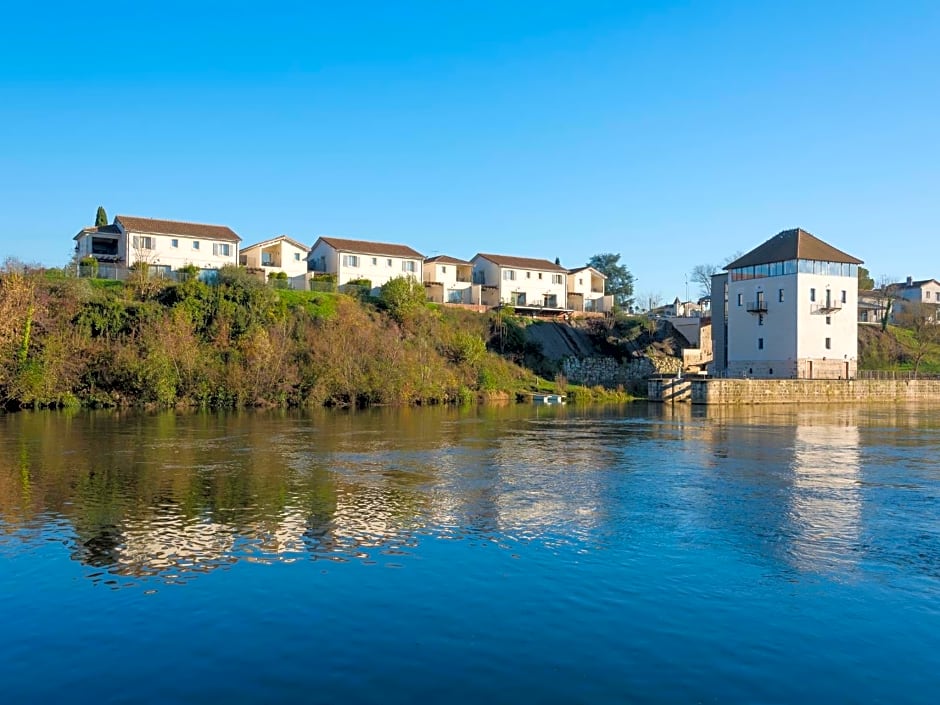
{"x":673,"y":133}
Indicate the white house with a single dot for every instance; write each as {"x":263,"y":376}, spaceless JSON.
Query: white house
{"x":787,"y":308}
{"x":351,"y":260}
{"x":450,"y":280}
{"x":524,"y":283}
{"x":586,"y":288}
{"x":165,"y":245}
{"x":279,"y":254}
{"x":907,"y":294}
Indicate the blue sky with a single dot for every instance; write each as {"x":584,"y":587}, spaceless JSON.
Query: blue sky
{"x":673,"y":133}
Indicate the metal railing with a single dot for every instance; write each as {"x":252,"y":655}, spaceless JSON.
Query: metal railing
{"x":758,"y":306}
{"x":896,"y":374}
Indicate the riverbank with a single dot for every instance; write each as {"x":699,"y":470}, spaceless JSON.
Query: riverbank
{"x":237,"y":342}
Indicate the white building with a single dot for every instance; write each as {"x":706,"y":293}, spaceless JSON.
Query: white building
{"x":352,"y":260}
{"x":586,"y":288}
{"x":450,"y":280}
{"x":165,"y":245}
{"x":279,"y":254}
{"x":787,"y":309}
{"x":524,"y":283}
{"x":908,"y":294}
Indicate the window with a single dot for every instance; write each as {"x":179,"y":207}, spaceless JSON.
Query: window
{"x":388,"y":262}
{"x":375,"y":261}
{"x":740,"y":299}
{"x":350,"y":261}
{"x":195,"y":244}
{"x":828,"y":320}
{"x":812,"y":294}
{"x":221,"y":248}
{"x":556,"y":279}
{"x":580,"y":281}
{"x":443,"y":269}
{"x":509,"y":275}
{"x":408,"y":266}
{"x":828,"y":343}
{"x":540,"y":275}
{"x":143,"y":242}
{"x":760,"y":343}
{"x":780,"y":295}
{"x":844,"y":296}
{"x":174,"y":242}
{"x":296,"y":256}
{"x":528,"y":275}
{"x":760,"y":319}
{"x":937,"y":295}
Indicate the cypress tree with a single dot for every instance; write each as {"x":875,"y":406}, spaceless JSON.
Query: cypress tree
{"x":101,"y":218}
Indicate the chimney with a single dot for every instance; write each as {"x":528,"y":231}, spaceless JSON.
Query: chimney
{"x":910,"y":281}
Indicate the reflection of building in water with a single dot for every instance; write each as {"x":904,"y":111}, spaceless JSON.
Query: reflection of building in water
{"x":550,"y":477}
{"x":170,"y":543}
{"x":825,"y":504}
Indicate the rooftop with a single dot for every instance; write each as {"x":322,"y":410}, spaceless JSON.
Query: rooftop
{"x":524,"y":263}
{"x":153,"y":226}
{"x":792,"y":244}
{"x":370,"y":248}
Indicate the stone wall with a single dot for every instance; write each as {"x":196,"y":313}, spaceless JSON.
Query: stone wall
{"x":608,"y":372}
{"x":803,"y":391}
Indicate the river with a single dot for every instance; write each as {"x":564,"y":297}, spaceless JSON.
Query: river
{"x":644,"y":553}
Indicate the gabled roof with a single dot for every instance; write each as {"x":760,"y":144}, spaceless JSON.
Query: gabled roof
{"x":523,"y":263}
{"x":279,"y":238}
{"x":104,"y":229}
{"x":581,"y":269}
{"x":444,"y":259}
{"x":914,"y":284}
{"x":364,"y":247}
{"x":153,"y":226}
{"x":792,"y":244}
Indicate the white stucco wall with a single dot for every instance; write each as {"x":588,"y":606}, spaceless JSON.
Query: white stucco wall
{"x":378,"y":269}
{"x":795,"y":330}
{"x":293,"y":260}
{"x":535,"y":284}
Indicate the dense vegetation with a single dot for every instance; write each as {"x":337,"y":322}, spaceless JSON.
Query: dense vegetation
{"x":67,"y":341}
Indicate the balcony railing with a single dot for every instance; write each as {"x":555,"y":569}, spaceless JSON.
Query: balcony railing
{"x":827,"y":307}
{"x":759,"y":306}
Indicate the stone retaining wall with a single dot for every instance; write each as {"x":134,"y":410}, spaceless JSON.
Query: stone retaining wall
{"x":804,"y":391}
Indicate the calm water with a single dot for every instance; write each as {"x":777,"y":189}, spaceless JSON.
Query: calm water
{"x":528,"y":554}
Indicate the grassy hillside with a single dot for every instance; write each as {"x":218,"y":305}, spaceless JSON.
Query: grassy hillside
{"x":896,"y":349}
{"x":68,"y":342}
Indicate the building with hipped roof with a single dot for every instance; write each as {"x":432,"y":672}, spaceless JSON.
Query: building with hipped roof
{"x":526,"y":284}
{"x":787,"y":309}
{"x":356,"y":260}
{"x":164,"y":245}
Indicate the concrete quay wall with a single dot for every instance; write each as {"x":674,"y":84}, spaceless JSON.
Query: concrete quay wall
{"x":794,"y":391}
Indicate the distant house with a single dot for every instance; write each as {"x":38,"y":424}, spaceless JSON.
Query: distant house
{"x":450,"y":280}
{"x":352,"y":260}
{"x":586,"y":288}
{"x":279,"y":254}
{"x":164,"y":245}
{"x":787,"y":308}
{"x":908,"y":293}
{"x":872,"y":305}
{"x":524,"y":283}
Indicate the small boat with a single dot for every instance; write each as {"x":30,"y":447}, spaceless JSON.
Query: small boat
{"x":539,"y":398}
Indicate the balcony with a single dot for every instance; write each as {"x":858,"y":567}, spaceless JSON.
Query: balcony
{"x":826,"y":308}
{"x":759,"y":306}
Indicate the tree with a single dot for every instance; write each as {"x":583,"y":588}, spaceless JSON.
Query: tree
{"x":558,"y":261}
{"x":101,"y":219}
{"x":921,"y":320}
{"x":701,"y":275}
{"x":865,"y":282}
{"x":402,"y":296}
{"x":619,"y":279}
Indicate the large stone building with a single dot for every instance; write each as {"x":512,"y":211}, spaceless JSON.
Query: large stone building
{"x":787,"y":309}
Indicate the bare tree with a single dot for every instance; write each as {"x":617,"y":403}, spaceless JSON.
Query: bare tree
{"x":701,"y":275}
{"x":921,"y":320}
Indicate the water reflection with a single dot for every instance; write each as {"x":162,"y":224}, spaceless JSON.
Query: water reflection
{"x":173,"y":496}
